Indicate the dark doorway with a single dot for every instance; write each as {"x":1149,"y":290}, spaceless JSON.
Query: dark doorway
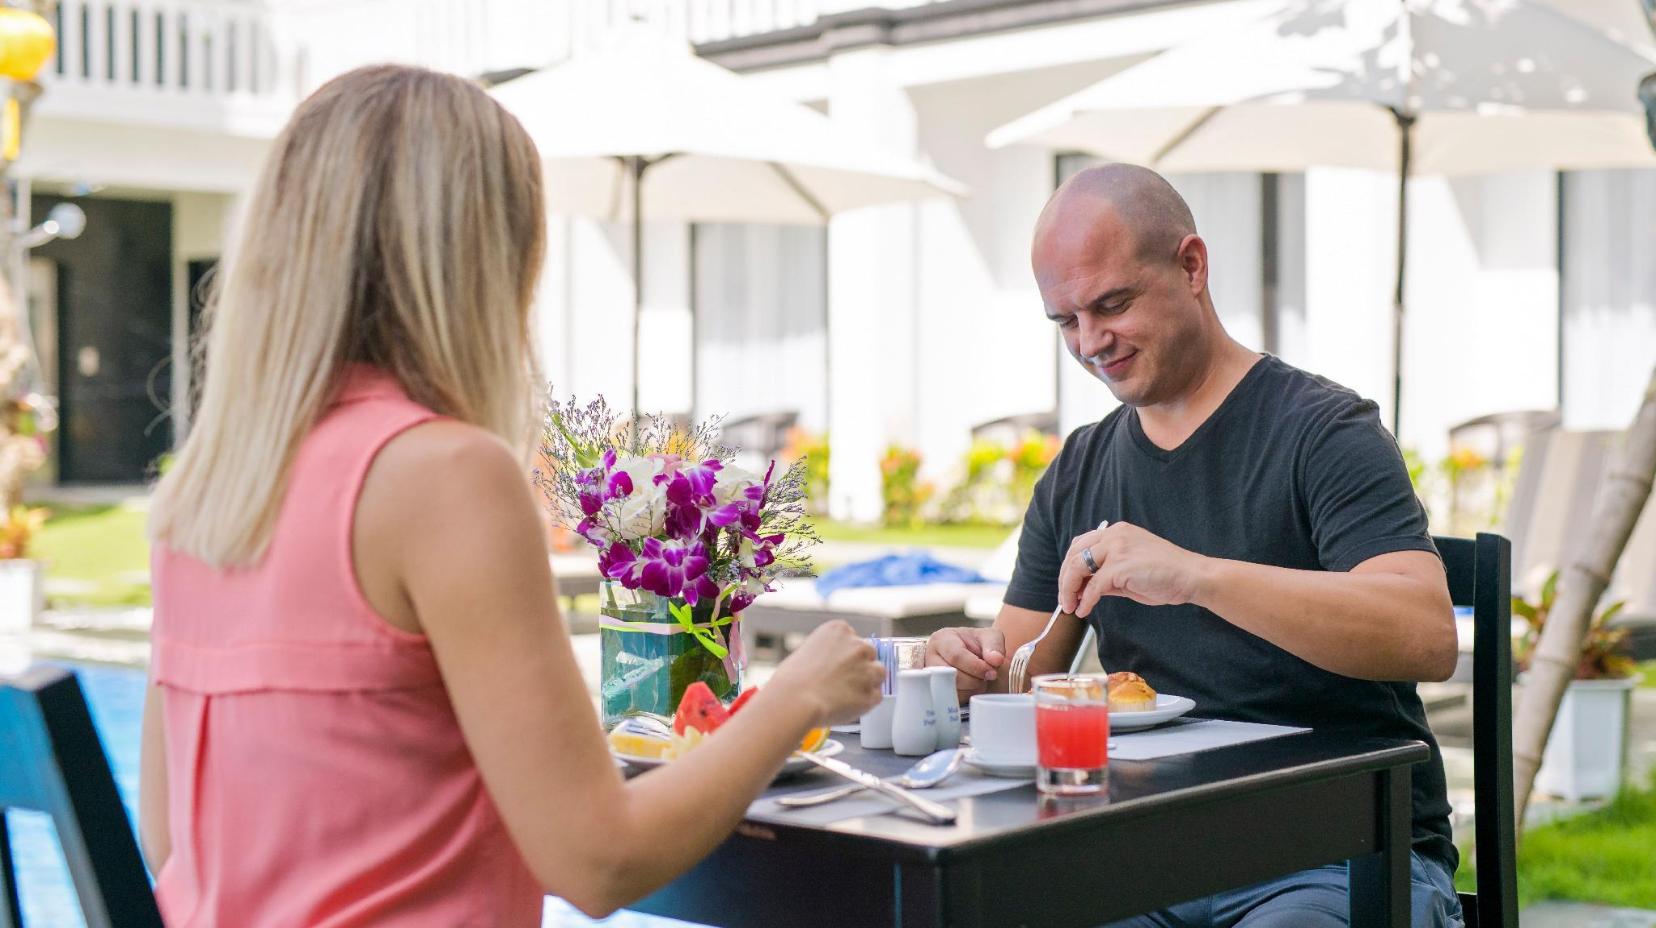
{"x":114,"y":378}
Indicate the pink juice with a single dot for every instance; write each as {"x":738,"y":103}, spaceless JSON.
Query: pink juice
{"x":1072,"y":736}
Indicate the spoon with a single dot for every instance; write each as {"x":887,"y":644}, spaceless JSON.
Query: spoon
{"x":928,"y":772}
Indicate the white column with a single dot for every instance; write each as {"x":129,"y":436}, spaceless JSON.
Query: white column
{"x":871,"y":296}
{"x":599,"y":328}
{"x":551,"y":322}
{"x":665,"y":347}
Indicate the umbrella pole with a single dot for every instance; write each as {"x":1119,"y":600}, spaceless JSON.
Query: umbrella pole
{"x":636,"y":166}
{"x":1405,"y":133}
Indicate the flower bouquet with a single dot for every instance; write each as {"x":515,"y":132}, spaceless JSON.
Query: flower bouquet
{"x":686,"y":541}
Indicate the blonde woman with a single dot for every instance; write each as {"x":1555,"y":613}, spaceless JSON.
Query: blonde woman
{"x":365,"y":709}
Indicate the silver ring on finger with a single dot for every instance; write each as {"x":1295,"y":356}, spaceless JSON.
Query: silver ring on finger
{"x":1087,"y":558}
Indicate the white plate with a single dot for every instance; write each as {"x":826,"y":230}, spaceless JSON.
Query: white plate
{"x":1167,"y":708}
{"x":988,"y":768}
{"x":794,"y":763}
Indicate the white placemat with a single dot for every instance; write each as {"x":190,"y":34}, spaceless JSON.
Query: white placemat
{"x":1187,"y":736}
{"x":962,"y":784}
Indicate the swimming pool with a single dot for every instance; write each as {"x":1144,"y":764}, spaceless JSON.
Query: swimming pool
{"x":116,"y":697}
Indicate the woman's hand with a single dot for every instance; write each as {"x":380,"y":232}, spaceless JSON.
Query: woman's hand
{"x":835,"y":671}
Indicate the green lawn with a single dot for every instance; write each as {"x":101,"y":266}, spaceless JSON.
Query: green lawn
{"x":965,"y":535}
{"x":95,"y":556}
{"x":1603,"y":856}
{"x":1648,"y":668}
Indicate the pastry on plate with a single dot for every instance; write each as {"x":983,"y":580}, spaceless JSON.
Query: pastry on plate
{"x":1130,"y":693}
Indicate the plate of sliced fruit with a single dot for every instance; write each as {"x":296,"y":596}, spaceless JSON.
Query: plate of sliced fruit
{"x":645,"y":745}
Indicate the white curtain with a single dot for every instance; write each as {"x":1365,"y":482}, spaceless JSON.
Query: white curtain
{"x":761,"y":321}
{"x":1609,"y":298}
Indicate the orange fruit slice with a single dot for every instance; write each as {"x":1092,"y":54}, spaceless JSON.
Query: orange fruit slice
{"x":634,"y":744}
{"x":814,"y":739}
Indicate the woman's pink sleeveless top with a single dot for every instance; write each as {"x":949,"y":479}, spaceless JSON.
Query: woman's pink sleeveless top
{"x":316,"y":775}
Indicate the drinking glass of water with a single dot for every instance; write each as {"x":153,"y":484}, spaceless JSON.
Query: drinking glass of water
{"x":1072,"y":733}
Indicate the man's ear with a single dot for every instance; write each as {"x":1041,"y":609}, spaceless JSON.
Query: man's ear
{"x":1193,"y":260}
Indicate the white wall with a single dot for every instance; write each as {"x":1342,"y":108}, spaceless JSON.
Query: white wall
{"x":105,"y":154}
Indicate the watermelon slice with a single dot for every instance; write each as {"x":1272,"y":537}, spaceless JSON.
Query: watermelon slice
{"x":699,"y":709}
{"x":742,"y":700}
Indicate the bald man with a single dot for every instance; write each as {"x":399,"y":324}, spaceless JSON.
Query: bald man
{"x":1264,"y":554}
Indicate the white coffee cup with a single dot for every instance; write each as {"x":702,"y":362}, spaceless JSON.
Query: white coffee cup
{"x":1003,"y":728}
{"x":875,"y":727}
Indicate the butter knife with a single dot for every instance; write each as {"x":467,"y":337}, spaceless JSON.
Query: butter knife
{"x":936,"y":812}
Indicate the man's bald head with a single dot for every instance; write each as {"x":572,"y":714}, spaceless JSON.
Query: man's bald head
{"x":1141,"y":201}
{"x":1124,"y":275}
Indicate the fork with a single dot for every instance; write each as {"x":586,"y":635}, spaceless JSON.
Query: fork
{"x":1018,"y":670}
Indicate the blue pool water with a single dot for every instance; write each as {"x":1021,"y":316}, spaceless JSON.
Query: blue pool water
{"x":116,"y":696}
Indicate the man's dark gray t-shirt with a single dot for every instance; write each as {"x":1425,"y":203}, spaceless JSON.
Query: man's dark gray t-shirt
{"x":1292,"y":471}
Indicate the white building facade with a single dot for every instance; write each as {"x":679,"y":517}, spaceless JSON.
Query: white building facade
{"x":908,"y":324}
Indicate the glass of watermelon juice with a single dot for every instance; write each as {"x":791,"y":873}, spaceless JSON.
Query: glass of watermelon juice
{"x":1072,"y":733}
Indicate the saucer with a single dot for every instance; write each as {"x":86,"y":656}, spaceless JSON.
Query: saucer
{"x":997,"y":767}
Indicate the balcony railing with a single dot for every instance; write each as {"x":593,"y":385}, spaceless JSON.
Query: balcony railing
{"x":216,"y":62}
{"x":240,"y":65}
{"x":715,"y":20}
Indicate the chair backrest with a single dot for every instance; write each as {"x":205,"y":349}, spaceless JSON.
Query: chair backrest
{"x":1009,"y":430}
{"x":56,"y":765}
{"x":1480,"y":576}
{"x":762,"y":435}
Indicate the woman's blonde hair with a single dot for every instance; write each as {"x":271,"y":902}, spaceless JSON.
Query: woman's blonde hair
{"x":399,"y":222}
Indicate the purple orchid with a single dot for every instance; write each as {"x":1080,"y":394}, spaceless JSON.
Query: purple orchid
{"x":669,"y":511}
{"x":670,"y":568}
{"x":619,"y":563}
{"x":595,"y":532}
{"x":603,"y":483}
{"x":690,"y":499}
{"x":698,"y":478}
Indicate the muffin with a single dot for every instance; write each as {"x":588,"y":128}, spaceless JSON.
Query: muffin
{"x":1130,"y":693}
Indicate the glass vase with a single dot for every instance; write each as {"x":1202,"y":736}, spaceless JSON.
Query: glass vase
{"x":648,"y":657}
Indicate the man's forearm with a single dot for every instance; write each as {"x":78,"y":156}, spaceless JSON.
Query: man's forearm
{"x":1372,"y":625}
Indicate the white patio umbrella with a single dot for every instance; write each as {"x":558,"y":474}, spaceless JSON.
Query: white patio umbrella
{"x":646,"y":127}
{"x":1408,"y":86}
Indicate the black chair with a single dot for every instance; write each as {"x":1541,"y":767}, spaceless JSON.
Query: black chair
{"x":53,"y":763}
{"x":1480,"y":576}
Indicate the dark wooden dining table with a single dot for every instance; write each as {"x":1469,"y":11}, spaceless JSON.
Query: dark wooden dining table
{"x":1169,"y":829}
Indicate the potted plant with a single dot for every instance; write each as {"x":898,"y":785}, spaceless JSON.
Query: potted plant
{"x":1587,"y":750}
{"x":686,"y":541}
{"x":22,"y":594}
